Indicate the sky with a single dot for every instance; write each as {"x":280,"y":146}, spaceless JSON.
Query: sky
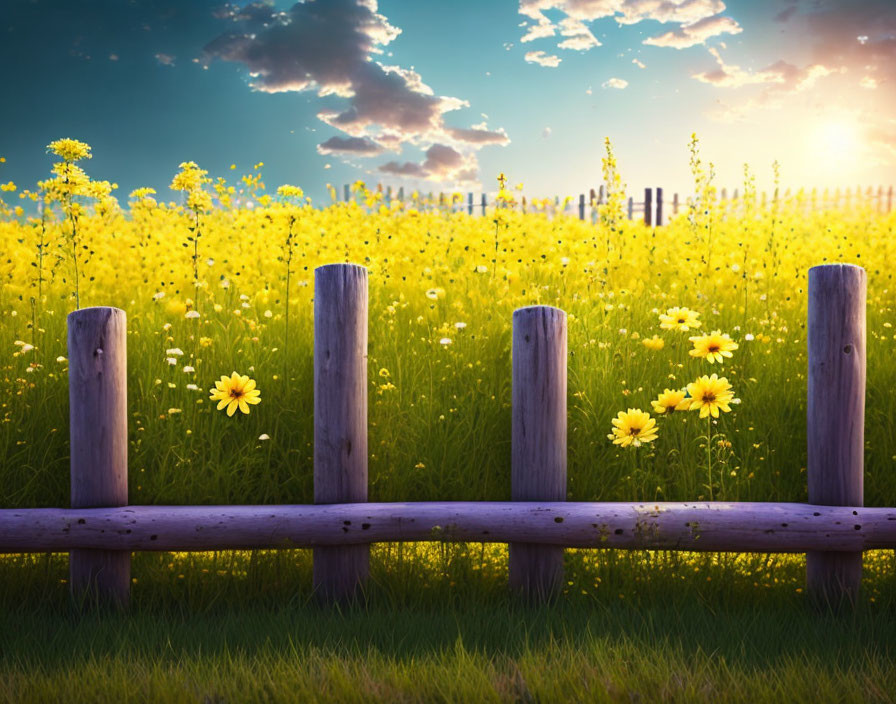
{"x":446,"y":95}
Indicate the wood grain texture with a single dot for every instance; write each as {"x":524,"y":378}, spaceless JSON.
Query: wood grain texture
{"x":97,"y":353}
{"x":340,"y":417}
{"x":836,"y":416}
{"x":701,"y":526}
{"x":538,"y":454}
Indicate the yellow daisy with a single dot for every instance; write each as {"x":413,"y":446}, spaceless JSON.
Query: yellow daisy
{"x":712,"y":347}
{"x":709,"y":394}
{"x":653,"y":343}
{"x":633,"y":427}
{"x":682,"y":319}
{"x":235,"y":391}
{"x":671,"y":400}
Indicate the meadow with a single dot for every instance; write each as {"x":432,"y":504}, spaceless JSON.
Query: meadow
{"x":217,"y":276}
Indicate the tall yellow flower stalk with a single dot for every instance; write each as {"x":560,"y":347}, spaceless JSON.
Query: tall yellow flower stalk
{"x":292,"y":196}
{"x":190,"y":180}
{"x":702,"y":203}
{"x":612,"y":212}
{"x":68,"y":184}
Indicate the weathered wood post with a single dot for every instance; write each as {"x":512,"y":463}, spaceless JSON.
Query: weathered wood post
{"x":581,"y":206}
{"x":659,"y":206}
{"x":631,"y":207}
{"x":469,"y":203}
{"x":648,"y":206}
{"x":347,"y":192}
{"x":836,"y":416}
{"x":483,"y":204}
{"x":538,"y":452}
{"x":675,"y":204}
{"x":889,"y":199}
{"x":98,"y":409}
{"x":340,"y":418}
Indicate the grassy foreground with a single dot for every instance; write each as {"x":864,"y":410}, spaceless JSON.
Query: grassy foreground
{"x":439,"y":626}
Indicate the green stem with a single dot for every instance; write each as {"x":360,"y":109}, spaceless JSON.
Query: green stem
{"x":709,"y":453}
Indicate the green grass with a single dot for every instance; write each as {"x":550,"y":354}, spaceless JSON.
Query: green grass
{"x":439,"y":626}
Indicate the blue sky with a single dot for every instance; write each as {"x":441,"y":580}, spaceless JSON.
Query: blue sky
{"x":444,"y":95}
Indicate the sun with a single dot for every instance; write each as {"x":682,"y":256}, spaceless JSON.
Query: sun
{"x":837,"y":140}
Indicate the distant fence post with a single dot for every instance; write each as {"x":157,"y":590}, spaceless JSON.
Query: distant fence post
{"x":659,"y":206}
{"x":648,"y":206}
{"x":836,"y":416}
{"x":581,"y":206}
{"x":340,"y":418}
{"x":631,"y":207}
{"x":675,"y":204}
{"x":469,"y":203}
{"x":538,"y":454}
{"x":889,"y":199}
{"x":483,"y":204}
{"x":98,"y":409}
{"x":346,"y":189}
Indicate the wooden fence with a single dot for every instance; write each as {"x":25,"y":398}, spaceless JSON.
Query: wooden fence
{"x":100,"y":529}
{"x":653,"y":208}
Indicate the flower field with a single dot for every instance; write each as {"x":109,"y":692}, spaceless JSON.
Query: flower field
{"x":687,"y":342}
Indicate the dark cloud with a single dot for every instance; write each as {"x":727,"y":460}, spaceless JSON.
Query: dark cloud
{"x":857,"y":37}
{"x":479,"y":135}
{"x":359,"y":146}
{"x":786,"y":14}
{"x":331,"y":46}
{"x":442,"y":163}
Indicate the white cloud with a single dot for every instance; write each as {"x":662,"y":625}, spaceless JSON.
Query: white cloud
{"x":697,"y":20}
{"x":781,"y":75}
{"x":639,"y":64}
{"x":542,"y":59}
{"x":697,"y":33}
{"x":540,"y":30}
{"x":617,"y":83}
{"x":578,"y":36}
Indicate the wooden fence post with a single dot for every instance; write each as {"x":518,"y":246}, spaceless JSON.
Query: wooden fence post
{"x":538,"y":454}
{"x":836,"y":416}
{"x":340,"y":418}
{"x":659,"y":206}
{"x":889,"y":199}
{"x":483,"y":204}
{"x":469,"y":203}
{"x":98,"y":409}
{"x":347,"y":192}
{"x":675,"y":204}
{"x":581,"y":206}
{"x":631,"y":207}
{"x":648,"y":206}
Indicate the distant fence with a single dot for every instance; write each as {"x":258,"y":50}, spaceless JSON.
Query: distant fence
{"x":100,"y":529}
{"x":653,"y":209}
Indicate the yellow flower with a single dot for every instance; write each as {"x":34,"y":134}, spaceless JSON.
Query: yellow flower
{"x":709,"y":394}
{"x":712,"y":347}
{"x":234,"y":392}
{"x":287,"y":191}
{"x":632,"y":428}
{"x":671,"y":400}
{"x":653,"y":343}
{"x":70,"y":149}
{"x":682,"y":319}
{"x":189,"y":178}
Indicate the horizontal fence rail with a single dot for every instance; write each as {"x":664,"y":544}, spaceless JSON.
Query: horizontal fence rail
{"x":703,"y":526}
{"x":101,"y":530}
